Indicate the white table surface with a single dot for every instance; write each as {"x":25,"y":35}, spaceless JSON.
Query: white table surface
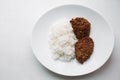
{"x":17,"y":19}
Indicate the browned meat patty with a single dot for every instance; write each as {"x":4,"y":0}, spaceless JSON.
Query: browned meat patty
{"x":81,"y":27}
{"x":83,"y":49}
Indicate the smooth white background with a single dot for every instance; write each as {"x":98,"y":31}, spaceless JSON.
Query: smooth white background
{"x":17,"y":19}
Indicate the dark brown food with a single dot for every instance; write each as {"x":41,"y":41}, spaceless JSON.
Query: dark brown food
{"x":81,"y":27}
{"x":83,"y":49}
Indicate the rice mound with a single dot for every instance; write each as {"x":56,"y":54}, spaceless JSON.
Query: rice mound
{"x":62,"y":41}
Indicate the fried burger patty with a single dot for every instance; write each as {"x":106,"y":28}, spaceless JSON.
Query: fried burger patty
{"x":81,"y":27}
{"x":83,"y":49}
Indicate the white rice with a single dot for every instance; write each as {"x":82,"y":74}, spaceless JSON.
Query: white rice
{"x":62,"y":40}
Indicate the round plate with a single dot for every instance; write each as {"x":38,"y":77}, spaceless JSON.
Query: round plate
{"x":100,"y":32}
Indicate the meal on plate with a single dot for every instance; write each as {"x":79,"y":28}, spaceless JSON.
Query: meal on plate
{"x":70,"y":39}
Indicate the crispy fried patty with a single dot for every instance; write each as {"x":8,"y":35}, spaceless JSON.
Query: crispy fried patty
{"x":81,"y":27}
{"x":83,"y":49}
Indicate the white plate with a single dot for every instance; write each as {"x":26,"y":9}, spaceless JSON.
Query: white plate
{"x":100,"y":32}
